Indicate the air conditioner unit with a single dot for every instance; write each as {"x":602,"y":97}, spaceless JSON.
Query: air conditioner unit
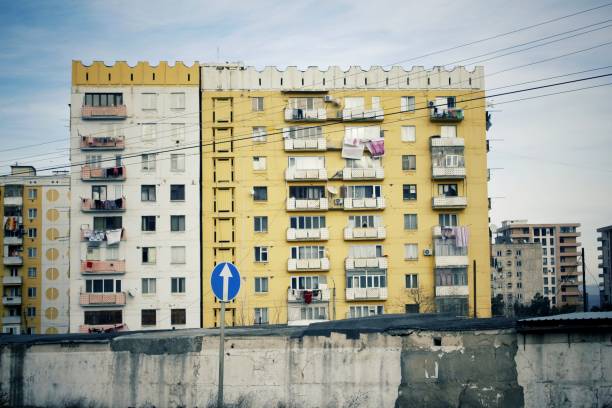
{"x":338,"y":201}
{"x":328,"y":98}
{"x":427,"y":252}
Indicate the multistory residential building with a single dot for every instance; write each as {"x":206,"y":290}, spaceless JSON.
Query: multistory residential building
{"x":342,"y":194}
{"x":560,"y":256}
{"x":605,"y":265}
{"x":135,"y":211}
{"x":34,"y":235}
{"x":516,"y":273}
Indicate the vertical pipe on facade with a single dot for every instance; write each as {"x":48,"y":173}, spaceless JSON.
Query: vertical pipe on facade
{"x":200,"y":195}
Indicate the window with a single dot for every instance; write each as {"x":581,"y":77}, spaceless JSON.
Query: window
{"x":408,"y":134}
{"x":410,"y":222}
{"x":112,"y":252}
{"x":259,"y":163}
{"x":411,"y":251}
{"x":149,"y":101}
{"x":448,"y":190}
{"x":149,"y":132}
{"x":409,"y":192}
{"x":32,"y":212}
{"x":148,"y":317}
{"x":257,"y":104}
{"x":32,"y":193}
{"x":448,"y":131}
{"x":31,"y":272}
{"x":259,"y":134}
{"x":318,"y":252}
{"x":102,"y":285}
{"x":412,"y":281}
{"x":412,"y":309}
{"x":177,"y":223}
{"x":32,"y":292}
{"x":261,"y":254}
{"x":178,"y":316}
{"x":32,"y":252}
{"x":261,"y":315}
{"x":509,"y":285}
{"x":31,"y":311}
{"x":261,"y":223}
{"x":519,"y":285}
{"x":364,"y":311}
{"x":307,"y":282}
{"x":149,"y":286}
{"x":177,"y":162}
{"x":177,"y":285}
{"x":177,"y":255}
{"x":148,"y":162}
{"x":260,"y":193}
{"x":518,"y":252}
{"x":407,"y":104}
{"x":103,"y":317}
{"x":308,"y":192}
{"x":177,"y":192}
{"x":149,"y":255}
{"x":307,"y":222}
{"x":32,"y":232}
{"x":448,"y":220}
{"x":103,"y":99}
{"x":148,"y":223}
{"x":177,"y":100}
{"x":261,"y":285}
{"x":93,"y":253}
{"x":147,"y":192}
{"x":93,"y":160}
{"x":106,"y":223}
{"x":409,"y":162}
{"x":313,"y":313}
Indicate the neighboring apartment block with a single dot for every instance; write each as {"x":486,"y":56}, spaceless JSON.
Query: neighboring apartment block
{"x":135,"y":218}
{"x":34,"y":235}
{"x":605,"y":265}
{"x":516,"y":273}
{"x":560,"y":253}
{"x":342,"y":194}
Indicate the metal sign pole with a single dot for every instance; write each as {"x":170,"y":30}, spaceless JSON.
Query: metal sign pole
{"x":221,"y":356}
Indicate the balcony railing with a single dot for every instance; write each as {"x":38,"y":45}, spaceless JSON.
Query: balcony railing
{"x":102,"y":142}
{"x":298,"y":204}
{"x":319,"y":144}
{"x":377,"y":203}
{"x":444,"y":202}
{"x":11,"y":300}
{"x":358,"y":263}
{"x":307,"y":234}
{"x":89,"y":173}
{"x":305,"y":115}
{"x":449,"y":250}
{"x":102,"y":267}
{"x":350,"y":114}
{"x":8,"y":240}
{"x":308,"y":296}
{"x":446,"y":115}
{"x":12,"y":280}
{"x":8,"y":320}
{"x":13,"y":260}
{"x":13,"y":201}
{"x":364,"y":233}
{"x":293,"y":174}
{"x":104,"y":112}
{"x":102,"y":328}
{"x":96,"y":299}
{"x":374,"y":173}
{"x":461,"y":290}
{"x":98,"y":236}
{"x":319,"y":264}
{"x":90,"y":205}
{"x":447,"y":141}
{"x":366,"y":293}
{"x":441,"y":171}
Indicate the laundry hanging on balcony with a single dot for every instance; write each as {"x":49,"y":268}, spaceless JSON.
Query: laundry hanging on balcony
{"x":113,"y":236}
{"x":376,"y":147}
{"x":307,"y":297}
{"x":462,"y":235}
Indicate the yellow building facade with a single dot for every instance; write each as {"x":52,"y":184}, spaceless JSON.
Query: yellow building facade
{"x":321,"y":225}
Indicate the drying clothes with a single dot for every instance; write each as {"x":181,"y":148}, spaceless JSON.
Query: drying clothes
{"x":376,"y":147}
{"x":87,"y":233}
{"x":113,"y":236}
{"x":462,"y":235}
{"x":96,"y":236}
{"x":352,"y":152}
{"x":307,"y":297}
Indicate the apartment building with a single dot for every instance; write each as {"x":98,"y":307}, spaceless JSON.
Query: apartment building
{"x":605,"y":265}
{"x":516,"y":273}
{"x":342,"y":194}
{"x":560,"y":252}
{"x":134,"y":136}
{"x":34,"y":235}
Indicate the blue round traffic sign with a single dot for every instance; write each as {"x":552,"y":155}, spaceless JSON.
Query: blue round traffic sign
{"x":225,"y":281}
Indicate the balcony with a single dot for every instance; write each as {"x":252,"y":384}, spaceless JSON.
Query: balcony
{"x":12,"y":280}
{"x":449,"y":250}
{"x":11,"y":300}
{"x":104,"y":112}
{"x":377,"y":203}
{"x":359,"y":263}
{"x":102,"y":267}
{"x":570,"y":253}
{"x":461,"y":290}
{"x":319,"y":144}
{"x":316,"y":295}
{"x":297,"y":265}
{"x":448,"y":202}
{"x":13,"y":201}
{"x":102,"y":328}
{"x":569,"y":262}
{"x":101,"y":299}
{"x":447,"y":141}
{"x":307,"y":234}
{"x":13,"y":260}
{"x":569,"y":233}
{"x":298,"y":204}
{"x":366,"y":294}
{"x":449,"y":115}
{"x":305,"y":115}
{"x":102,"y":143}
{"x":375,"y":173}
{"x":373,"y":233}
{"x":97,"y":236}
{"x":10,"y":320}
{"x":103,"y":174}
{"x":360,"y":114}
{"x":12,"y":240}
{"x":440,"y":171}
{"x":90,"y":205}
{"x":293,"y":174}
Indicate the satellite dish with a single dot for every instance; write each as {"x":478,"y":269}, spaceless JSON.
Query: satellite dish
{"x":332,"y":190}
{"x":493,"y":228}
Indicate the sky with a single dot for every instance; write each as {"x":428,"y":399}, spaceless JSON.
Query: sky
{"x":550,"y":157}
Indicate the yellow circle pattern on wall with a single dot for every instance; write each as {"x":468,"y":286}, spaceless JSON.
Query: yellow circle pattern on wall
{"x":52,"y":195}
{"x":52,"y":214}
{"x":52,"y":274}
{"x":51,"y":313}
{"x":52,"y":254}
{"x":52,"y":293}
{"x":51,"y":330}
{"x":52,"y":234}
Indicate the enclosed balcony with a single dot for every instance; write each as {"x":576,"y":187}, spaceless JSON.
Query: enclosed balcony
{"x":308,"y":295}
{"x":12,"y":280}
{"x":102,"y":143}
{"x":297,"y":174}
{"x":305,"y":115}
{"x":11,"y":320}
{"x":451,"y":282}
{"x":366,"y":294}
{"x":109,"y":236}
{"x":102,"y":299}
{"x":316,"y":264}
{"x":116,"y":173}
{"x":450,"y":246}
{"x":307,"y":234}
{"x":11,"y":300}
{"x":443,"y":110}
{"x":102,"y":328}
{"x":448,"y":202}
{"x":13,"y":260}
{"x":102,"y":267}
{"x":91,"y":205}
{"x":103,"y":112}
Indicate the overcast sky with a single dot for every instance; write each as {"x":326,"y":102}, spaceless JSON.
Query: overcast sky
{"x":551,"y":155}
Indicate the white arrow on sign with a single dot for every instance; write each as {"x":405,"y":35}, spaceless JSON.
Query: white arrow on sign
{"x":225,"y":274}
